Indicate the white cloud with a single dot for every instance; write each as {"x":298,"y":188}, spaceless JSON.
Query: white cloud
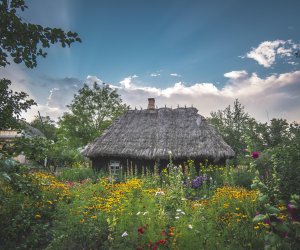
{"x":175,"y":74}
{"x":277,"y":94}
{"x":236,"y":74}
{"x":49,"y":99}
{"x":284,"y":52}
{"x":126,"y":82}
{"x":154,"y":74}
{"x":90,"y":80}
{"x":265,"y":54}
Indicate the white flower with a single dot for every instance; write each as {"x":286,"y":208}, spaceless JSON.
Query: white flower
{"x":125,"y":234}
{"x":190,"y":226}
{"x":159,"y":193}
{"x":138,"y":213}
{"x":178,"y":210}
{"x":183,"y":213}
{"x":177,"y":217}
{"x":145,"y":213}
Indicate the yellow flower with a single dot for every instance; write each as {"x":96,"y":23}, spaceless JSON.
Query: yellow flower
{"x":82,"y":221}
{"x":256,"y":227}
{"x":37,"y":216}
{"x":94,"y":217}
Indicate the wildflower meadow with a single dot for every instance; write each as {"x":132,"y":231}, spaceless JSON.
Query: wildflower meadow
{"x":176,"y":207}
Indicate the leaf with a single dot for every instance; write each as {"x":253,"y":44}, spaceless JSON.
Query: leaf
{"x":272,"y":210}
{"x":264,"y":198}
{"x":6,"y":177}
{"x":282,"y":227}
{"x":260,"y":217}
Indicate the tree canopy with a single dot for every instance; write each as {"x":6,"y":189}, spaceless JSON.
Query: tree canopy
{"x":92,"y":110}
{"x":23,"y":41}
{"x":12,"y":104}
{"x":46,"y":125}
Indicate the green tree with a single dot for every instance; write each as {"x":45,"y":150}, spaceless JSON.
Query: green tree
{"x":12,"y":104}
{"x":24,"y":41}
{"x":278,"y":132}
{"x":45,"y":125}
{"x":92,"y":110}
{"x":232,"y":123}
{"x":239,"y":130}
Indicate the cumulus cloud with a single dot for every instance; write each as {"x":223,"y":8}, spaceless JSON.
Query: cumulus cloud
{"x":277,"y":95}
{"x":175,"y":74}
{"x":90,"y":80}
{"x":265,"y":54}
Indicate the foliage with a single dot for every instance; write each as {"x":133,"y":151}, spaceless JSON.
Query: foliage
{"x":281,"y":160}
{"x":77,"y":174}
{"x":46,"y":126}
{"x":242,"y":176}
{"x":92,"y":111}
{"x":233,"y":124}
{"x":278,"y":220}
{"x":286,"y":161}
{"x":24,"y":41}
{"x":12,"y":104}
{"x":137,"y":214}
{"x":28,"y":202}
{"x":46,"y":153}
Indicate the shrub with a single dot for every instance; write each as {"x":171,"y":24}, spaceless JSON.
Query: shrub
{"x":76,"y":174}
{"x":28,"y":202}
{"x":242,"y":176}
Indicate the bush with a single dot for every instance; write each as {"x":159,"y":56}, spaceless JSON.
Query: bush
{"x":286,"y":161}
{"x":242,"y":176}
{"x":77,"y":174}
{"x":28,"y":202}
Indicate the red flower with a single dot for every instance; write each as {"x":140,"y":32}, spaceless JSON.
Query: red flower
{"x":294,"y":212}
{"x":141,"y":230}
{"x":162,"y":242}
{"x":255,"y":154}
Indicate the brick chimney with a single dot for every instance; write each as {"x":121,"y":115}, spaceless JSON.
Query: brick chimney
{"x":151,"y":103}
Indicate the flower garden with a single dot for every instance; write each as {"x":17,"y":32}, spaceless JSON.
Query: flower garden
{"x":210,"y":207}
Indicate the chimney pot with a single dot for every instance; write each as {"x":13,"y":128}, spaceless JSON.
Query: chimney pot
{"x":151,"y":103}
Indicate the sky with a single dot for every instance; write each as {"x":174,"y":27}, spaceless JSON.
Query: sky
{"x":196,"y":53}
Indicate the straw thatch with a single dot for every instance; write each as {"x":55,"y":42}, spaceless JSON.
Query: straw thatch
{"x":154,"y":134}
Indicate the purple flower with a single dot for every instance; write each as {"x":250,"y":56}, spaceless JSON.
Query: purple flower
{"x":197,"y":182}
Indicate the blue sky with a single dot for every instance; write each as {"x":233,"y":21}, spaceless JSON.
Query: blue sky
{"x":200,"y":53}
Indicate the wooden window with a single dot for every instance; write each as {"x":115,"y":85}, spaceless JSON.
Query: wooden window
{"x":114,"y":168}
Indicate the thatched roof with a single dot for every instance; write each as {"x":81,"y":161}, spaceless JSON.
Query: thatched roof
{"x":26,"y":131}
{"x":154,"y":133}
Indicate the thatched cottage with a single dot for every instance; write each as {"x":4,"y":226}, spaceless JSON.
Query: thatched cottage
{"x":143,"y":137}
